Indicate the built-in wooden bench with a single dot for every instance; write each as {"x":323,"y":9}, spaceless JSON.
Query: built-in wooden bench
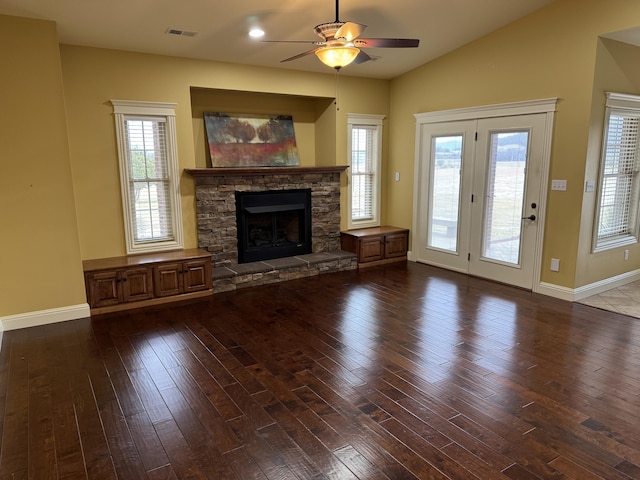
{"x":376,"y":245}
{"x":119,"y":283}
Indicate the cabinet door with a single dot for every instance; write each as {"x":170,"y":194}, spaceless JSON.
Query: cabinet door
{"x":395,"y":245}
{"x":136,"y":284}
{"x":167,"y":279}
{"x":197,"y":275}
{"x":104,"y":289}
{"x":371,"y":248}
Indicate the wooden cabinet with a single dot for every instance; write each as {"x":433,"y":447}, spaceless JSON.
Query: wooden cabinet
{"x":134,"y":281}
{"x":119,"y":286}
{"x":184,"y":277}
{"x":376,"y":245}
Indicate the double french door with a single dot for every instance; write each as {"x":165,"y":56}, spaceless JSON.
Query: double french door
{"x":479,"y":193}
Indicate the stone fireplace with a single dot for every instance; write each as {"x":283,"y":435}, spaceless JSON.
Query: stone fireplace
{"x":216,"y":190}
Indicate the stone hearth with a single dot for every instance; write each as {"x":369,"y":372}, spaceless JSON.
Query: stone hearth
{"x":217,"y":232}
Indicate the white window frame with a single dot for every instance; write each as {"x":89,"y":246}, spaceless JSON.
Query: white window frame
{"x":626,"y":106}
{"x":163,"y":112}
{"x":353,"y":122}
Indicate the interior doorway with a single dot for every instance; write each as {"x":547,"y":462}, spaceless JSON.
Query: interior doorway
{"x":480,"y":189}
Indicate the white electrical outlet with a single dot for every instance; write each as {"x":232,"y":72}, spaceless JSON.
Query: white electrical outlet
{"x":555,"y":265}
{"x":626,"y":254}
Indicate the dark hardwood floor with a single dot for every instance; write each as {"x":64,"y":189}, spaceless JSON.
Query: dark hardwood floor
{"x":394,"y":372}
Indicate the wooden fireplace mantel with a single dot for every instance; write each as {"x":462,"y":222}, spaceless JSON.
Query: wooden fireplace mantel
{"x":253,"y":171}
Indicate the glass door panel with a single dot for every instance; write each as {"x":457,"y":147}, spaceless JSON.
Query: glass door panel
{"x":504,"y":196}
{"x":444,"y":176}
{"x":444,"y":188}
{"x":507,"y":184}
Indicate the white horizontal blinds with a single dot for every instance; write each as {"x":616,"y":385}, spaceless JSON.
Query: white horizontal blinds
{"x":363,"y":165}
{"x":149,"y":179}
{"x":618,"y":198}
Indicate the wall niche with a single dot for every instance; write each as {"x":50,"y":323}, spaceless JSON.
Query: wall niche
{"x":314,"y":120}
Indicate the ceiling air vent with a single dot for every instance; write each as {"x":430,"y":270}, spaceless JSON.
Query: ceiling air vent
{"x":181,"y":33}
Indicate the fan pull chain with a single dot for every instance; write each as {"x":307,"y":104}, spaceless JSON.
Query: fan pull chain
{"x":337,"y":100}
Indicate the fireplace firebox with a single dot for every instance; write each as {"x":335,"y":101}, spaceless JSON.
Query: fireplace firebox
{"x":273,"y":224}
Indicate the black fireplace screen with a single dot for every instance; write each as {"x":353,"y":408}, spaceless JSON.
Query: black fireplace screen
{"x":273,"y":224}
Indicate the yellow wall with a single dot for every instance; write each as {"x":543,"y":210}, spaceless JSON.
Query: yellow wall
{"x":92,"y":77}
{"x":59,"y":185}
{"x":550,"y":53}
{"x":617,"y":70}
{"x":302,"y":109}
{"x":39,"y":247}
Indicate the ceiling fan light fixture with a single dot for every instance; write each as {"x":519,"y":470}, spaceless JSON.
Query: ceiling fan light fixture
{"x":337,"y":56}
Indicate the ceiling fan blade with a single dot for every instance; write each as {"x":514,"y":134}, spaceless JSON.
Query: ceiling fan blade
{"x":308,"y":42}
{"x":300,"y":55}
{"x":386,"y":42}
{"x":350,"y":31}
{"x":362,"y":57}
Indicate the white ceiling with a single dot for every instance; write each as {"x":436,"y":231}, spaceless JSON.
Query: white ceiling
{"x":222,"y":26}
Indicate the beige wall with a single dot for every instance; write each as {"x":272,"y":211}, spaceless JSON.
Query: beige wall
{"x":39,"y":247}
{"x":92,"y":77}
{"x":550,"y":53}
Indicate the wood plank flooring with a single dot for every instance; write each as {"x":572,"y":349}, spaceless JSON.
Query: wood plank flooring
{"x":394,"y":372}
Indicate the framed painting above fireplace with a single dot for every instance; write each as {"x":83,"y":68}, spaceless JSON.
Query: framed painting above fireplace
{"x":247,"y":140}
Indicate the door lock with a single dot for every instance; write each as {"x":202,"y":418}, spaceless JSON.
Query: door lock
{"x":530,"y":217}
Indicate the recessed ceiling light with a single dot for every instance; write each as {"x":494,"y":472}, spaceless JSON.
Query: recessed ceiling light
{"x":256,"y":32}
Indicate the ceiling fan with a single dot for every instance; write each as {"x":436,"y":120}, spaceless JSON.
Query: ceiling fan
{"x":341,"y":43}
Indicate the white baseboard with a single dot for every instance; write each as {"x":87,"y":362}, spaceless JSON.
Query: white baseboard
{"x":44,"y":317}
{"x":574,"y":294}
{"x":606,"y":284}
{"x":577,"y":294}
{"x":555,"y":291}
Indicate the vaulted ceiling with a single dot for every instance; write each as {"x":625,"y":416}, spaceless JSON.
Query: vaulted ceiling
{"x":218,"y":30}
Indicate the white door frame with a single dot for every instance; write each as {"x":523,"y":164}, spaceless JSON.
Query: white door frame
{"x":546,"y":106}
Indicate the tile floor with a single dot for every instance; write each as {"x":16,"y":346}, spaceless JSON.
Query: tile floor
{"x":625,"y":299}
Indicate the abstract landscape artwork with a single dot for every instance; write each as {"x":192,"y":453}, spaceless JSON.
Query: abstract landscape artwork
{"x":244,"y":140}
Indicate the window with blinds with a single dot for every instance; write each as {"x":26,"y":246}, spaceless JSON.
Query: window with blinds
{"x":148,"y":169}
{"x":617,"y":217}
{"x":149,"y":185}
{"x":364,"y":173}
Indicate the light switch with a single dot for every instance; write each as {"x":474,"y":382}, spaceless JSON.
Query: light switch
{"x":590,"y":186}
{"x":560,"y":185}
{"x":397,"y":176}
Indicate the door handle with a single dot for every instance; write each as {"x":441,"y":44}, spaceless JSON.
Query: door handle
{"x":530,"y":217}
